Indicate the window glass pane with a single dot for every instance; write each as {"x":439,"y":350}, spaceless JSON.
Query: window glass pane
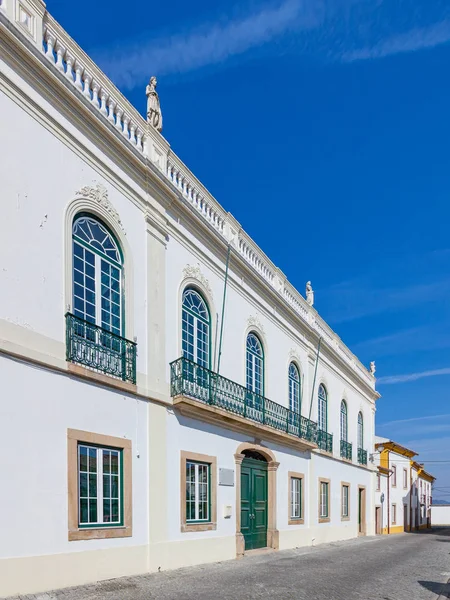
{"x":195,"y":328}
{"x":197,"y":491}
{"x":114,"y":462}
{"x":92,"y":511}
{"x":106,"y":510}
{"x":322,"y":409}
{"x":99,"y":503}
{"x":255,"y":365}
{"x":84,"y":518}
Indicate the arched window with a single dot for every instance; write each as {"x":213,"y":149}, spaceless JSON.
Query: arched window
{"x":195,"y":328}
{"x":294,"y":389}
{"x":344,"y":428}
{"x":360,"y":431}
{"x":322,"y":409}
{"x":255,"y":365}
{"x":97,"y":275}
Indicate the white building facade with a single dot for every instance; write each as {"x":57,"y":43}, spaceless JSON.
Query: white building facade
{"x":138,"y":433}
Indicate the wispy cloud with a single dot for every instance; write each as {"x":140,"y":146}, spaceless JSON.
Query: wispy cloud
{"x":425,"y":338}
{"x":411,"y":41}
{"x":398,"y":422}
{"x":391,"y":379}
{"x":337,"y":30}
{"x":360,"y":298}
{"x":210,"y":43}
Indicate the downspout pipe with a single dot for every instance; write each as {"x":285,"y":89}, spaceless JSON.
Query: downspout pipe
{"x":389,"y":497}
{"x":314,"y":380}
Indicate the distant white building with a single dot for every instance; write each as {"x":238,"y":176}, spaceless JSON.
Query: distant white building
{"x":403,"y":493}
{"x":124,"y":450}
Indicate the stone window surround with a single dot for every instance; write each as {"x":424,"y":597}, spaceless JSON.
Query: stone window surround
{"x":324,"y":519}
{"x":74,"y":436}
{"x":345,"y":484}
{"x":393,"y":513}
{"x":394,"y":476}
{"x":210,"y":525}
{"x":293,"y":520}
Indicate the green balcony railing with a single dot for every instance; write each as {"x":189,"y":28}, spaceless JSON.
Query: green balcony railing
{"x":362,"y":456}
{"x":346,"y":450}
{"x":95,"y":348}
{"x":190,"y":379}
{"x":325,"y":440}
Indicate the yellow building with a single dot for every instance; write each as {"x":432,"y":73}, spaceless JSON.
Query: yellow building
{"x":402,"y":491}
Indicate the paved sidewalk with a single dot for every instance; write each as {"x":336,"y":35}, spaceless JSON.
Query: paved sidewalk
{"x":400,"y":567}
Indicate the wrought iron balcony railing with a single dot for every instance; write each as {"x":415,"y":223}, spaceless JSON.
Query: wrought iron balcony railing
{"x":95,"y":348}
{"x":325,"y":440}
{"x":346,"y":450}
{"x":190,"y":379}
{"x":362,"y":456}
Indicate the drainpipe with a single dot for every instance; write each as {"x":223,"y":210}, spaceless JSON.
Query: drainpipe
{"x":410,"y":498}
{"x":388,"y":499}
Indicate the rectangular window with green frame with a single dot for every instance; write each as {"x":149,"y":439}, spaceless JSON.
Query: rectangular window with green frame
{"x":100,"y":486}
{"x":198,"y":492}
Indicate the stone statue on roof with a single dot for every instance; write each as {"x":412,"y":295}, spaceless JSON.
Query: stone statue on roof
{"x":154,"y":114}
{"x":372,"y":367}
{"x":309,"y":294}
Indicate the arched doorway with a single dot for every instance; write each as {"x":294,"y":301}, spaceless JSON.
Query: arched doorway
{"x":255,"y":498}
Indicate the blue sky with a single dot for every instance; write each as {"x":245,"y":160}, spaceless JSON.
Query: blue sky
{"x":323,"y":126}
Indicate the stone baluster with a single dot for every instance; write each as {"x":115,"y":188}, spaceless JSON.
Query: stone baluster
{"x":111,"y":106}
{"x":87,"y":85}
{"x":133,"y":133}
{"x":69,"y":62}
{"x":139,"y":135}
{"x":126,"y":125}
{"x":95,"y":91}
{"x":50,"y":40}
{"x":60,"y":51}
{"x":119,"y":113}
{"x":78,"y":73}
{"x":103,"y":102}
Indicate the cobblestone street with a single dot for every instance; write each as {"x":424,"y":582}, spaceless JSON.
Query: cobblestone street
{"x":400,"y":567}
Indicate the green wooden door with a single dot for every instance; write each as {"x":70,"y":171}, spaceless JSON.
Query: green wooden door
{"x":254,"y":503}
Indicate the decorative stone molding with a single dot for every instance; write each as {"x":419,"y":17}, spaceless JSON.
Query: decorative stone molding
{"x":194,"y":272}
{"x":294,"y":355}
{"x":99,"y":194}
{"x":254,"y":321}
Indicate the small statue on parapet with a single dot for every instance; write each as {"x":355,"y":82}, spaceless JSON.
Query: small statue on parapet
{"x":373,"y":368}
{"x":154,"y":114}
{"x":309,"y":294}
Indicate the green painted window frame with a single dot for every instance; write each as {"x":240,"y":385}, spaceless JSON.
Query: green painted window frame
{"x":298,"y":517}
{"x":261,"y":357}
{"x":325,"y":404}
{"x":120,"y":266}
{"x":207,"y":322}
{"x":209,"y":519}
{"x":120,"y":523}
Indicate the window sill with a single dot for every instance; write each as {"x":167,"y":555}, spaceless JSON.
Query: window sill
{"x":345,"y":518}
{"x":186,"y":527}
{"x":100,"y":533}
{"x":324,"y":519}
{"x":296,"y":521}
